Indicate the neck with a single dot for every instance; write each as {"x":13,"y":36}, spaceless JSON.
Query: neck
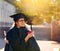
{"x":17,"y":26}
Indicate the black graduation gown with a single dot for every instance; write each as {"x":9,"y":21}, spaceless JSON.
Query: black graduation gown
{"x":31,"y":44}
{"x":16,"y":40}
{"x":8,"y":47}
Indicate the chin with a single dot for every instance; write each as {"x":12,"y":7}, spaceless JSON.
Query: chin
{"x":22,"y":26}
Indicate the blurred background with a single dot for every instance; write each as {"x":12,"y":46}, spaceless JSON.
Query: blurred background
{"x":44,"y":14}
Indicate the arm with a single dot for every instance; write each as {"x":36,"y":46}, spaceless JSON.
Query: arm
{"x":29,"y":36}
{"x":6,"y":39}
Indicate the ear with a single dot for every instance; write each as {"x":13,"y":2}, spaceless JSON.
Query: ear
{"x":16,"y":22}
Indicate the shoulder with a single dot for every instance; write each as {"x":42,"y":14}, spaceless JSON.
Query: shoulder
{"x":11,"y":31}
{"x":26,"y":29}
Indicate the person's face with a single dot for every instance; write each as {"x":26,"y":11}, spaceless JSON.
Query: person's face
{"x":20,"y":22}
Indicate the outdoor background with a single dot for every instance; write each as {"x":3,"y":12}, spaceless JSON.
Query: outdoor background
{"x":44,"y":15}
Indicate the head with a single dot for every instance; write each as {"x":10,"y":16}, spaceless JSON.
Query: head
{"x":19,"y":20}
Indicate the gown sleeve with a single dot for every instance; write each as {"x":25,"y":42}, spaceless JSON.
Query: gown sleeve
{"x":8,"y":36}
{"x":32,"y":44}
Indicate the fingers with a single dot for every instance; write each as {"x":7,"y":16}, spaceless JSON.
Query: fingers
{"x":6,"y":41}
{"x":26,"y":39}
{"x":30,"y":35}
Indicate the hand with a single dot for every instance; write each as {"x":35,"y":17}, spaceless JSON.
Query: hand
{"x":31,"y":33}
{"x":29,"y":36}
{"x":6,"y":41}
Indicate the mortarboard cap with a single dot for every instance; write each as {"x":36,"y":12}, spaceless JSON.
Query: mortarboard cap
{"x":17,"y":16}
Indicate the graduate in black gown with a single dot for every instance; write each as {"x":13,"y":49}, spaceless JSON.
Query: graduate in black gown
{"x":18,"y":38}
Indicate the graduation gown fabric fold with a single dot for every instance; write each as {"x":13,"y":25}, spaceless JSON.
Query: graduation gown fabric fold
{"x":16,"y":40}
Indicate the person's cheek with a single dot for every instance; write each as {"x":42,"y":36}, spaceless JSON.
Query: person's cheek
{"x":22,"y":23}
{"x":19,"y":23}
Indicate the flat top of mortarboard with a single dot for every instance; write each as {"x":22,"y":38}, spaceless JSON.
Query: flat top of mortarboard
{"x":17,"y":16}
